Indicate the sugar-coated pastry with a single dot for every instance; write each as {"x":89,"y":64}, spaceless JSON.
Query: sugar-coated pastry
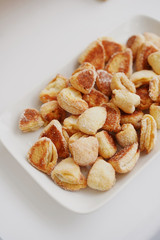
{"x":120,"y":62}
{"x":145,"y":101}
{"x":154,"y":61}
{"x":121,"y":81}
{"x":84,"y":80}
{"x":125,"y":160}
{"x":127,"y":136}
{"x":110,"y":47}
{"x":92,"y":120}
{"x":50,"y":92}
{"x":54,"y":131}
{"x":84,"y":150}
{"x":30,"y":120}
{"x":107,"y":146}
{"x":134,"y":43}
{"x":112,"y":122}
{"x":133,"y":118}
{"x":101,"y":176}
{"x":148,"y":133}
{"x":153,"y":38}
{"x":70,"y":124}
{"x":125,"y":100}
{"x":51,"y":110}
{"x":94,"y":54}
{"x":71,"y":100}
{"x":43,"y":155}
{"x":142,"y":77}
{"x":75,"y":137}
{"x":103,"y":82}
{"x":154,"y":88}
{"x":155,"y":113}
{"x":67,"y":175}
{"x":95,"y":98}
{"x":84,"y":66}
{"x":142,"y":55}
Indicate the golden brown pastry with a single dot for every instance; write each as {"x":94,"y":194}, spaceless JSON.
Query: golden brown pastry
{"x":71,"y":100}
{"x":121,"y":81}
{"x":75,"y":137}
{"x":110,"y":47}
{"x":84,"y":66}
{"x":134,"y":118}
{"x":148,"y":133}
{"x":30,"y":120}
{"x":154,"y":61}
{"x":103,"y":82}
{"x":154,"y":88}
{"x":95,"y":98}
{"x":94,"y":54}
{"x":142,"y":77}
{"x":145,"y":101}
{"x":84,"y":150}
{"x":153,"y":38}
{"x":92,"y":120}
{"x":125,"y":100}
{"x":84,"y":80}
{"x":134,"y":43}
{"x":70,"y":124}
{"x":107,"y":146}
{"x":112,"y":122}
{"x":43,"y":155}
{"x":101,"y":176}
{"x":155,"y":113}
{"x":127,"y":136}
{"x":120,"y":62}
{"x":125,"y":160}
{"x":54,"y":131}
{"x":67,"y":175}
{"x":51,"y":110}
{"x":51,"y":91}
{"x":142,"y":55}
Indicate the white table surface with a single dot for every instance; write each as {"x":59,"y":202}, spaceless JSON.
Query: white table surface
{"x":26,"y":212}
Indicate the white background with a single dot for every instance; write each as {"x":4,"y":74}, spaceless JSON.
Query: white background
{"x":36,"y":39}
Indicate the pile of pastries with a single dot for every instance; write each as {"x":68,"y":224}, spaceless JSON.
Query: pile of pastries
{"x":101,"y":118}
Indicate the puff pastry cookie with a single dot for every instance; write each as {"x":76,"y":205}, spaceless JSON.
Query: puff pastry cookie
{"x":70,"y":124}
{"x":95,"y":98}
{"x":107,"y":146}
{"x":30,"y":120}
{"x":110,"y":47}
{"x":50,"y":92}
{"x":54,"y":131}
{"x":120,"y":62}
{"x":125,"y":100}
{"x":142,"y":77}
{"x":148,"y":133}
{"x":84,"y":150}
{"x":127,"y":136}
{"x":154,"y":61}
{"x":134,"y":43}
{"x":134,"y":118}
{"x":101,"y":176}
{"x":51,"y":110}
{"x":154,"y":89}
{"x":71,"y":100}
{"x":145,"y":101}
{"x":153,"y":38}
{"x":94,"y":54}
{"x":84,"y":80}
{"x":142,"y":55}
{"x":112,"y":122}
{"x":43,"y":155}
{"x":125,"y":160}
{"x":92,"y":120}
{"x":75,"y":137}
{"x":84,"y":66}
{"x":103,"y":82}
{"x":121,"y":81}
{"x":67,"y":175}
{"x":155,"y":112}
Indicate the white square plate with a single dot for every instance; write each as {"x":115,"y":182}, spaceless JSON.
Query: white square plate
{"x":18,"y":143}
